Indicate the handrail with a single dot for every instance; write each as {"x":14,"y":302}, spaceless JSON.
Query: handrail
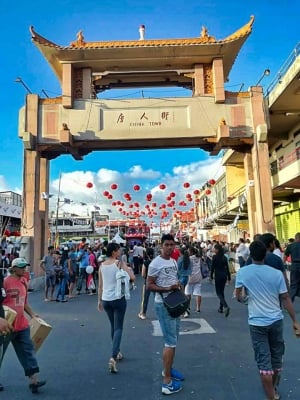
{"x":283,"y":70}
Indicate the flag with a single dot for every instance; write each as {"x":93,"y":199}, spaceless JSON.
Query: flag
{"x":67,"y":201}
{"x":109,"y":210}
{"x":82,"y":204}
{"x":97,"y":207}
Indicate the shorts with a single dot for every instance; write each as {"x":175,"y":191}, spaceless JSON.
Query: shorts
{"x":268,"y":346}
{"x":193,"y":288}
{"x":72,"y":278}
{"x":169,"y":326}
{"x":50,"y":280}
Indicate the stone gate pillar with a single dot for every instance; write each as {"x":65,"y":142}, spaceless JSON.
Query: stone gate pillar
{"x":251,"y":205}
{"x":262,"y":182}
{"x":35,"y":181}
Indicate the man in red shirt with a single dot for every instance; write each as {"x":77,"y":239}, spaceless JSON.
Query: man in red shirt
{"x":15,"y":287}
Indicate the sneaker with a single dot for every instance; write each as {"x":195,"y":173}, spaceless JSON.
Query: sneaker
{"x":112,"y":366}
{"x":142,"y":316}
{"x":277,"y":395}
{"x":227,"y":311}
{"x":120,"y":356}
{"x":186,"y":314}
{"x":170,"y":388}
{"x":175,"y":375}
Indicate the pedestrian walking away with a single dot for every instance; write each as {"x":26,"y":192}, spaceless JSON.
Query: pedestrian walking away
{"x":145,"y":292}
{"x":194,"y":283}
{"x":220,"y":272}
{"x":266,"y":290}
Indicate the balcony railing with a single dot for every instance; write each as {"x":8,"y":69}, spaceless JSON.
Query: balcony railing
{"x":287,"y":159}
{"x":283,"y":70}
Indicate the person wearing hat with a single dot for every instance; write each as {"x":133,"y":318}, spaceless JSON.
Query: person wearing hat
{"x":5,"y":327}
{"x":15,"y":287}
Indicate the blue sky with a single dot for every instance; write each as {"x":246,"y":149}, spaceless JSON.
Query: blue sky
{"x":275,"y":34}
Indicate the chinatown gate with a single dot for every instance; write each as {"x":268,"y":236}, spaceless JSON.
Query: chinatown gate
{"x":79,"y":122}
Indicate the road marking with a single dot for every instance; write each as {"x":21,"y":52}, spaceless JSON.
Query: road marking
{"x":190,"y":326}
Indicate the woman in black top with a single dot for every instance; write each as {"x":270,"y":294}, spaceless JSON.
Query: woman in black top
{"x":220,"y":271}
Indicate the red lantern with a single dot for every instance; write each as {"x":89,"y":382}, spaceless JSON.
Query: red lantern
{"x":207,"y":192}
{"x":89,"y":185}
{"x":114,"y":186}
{"x":211,"y":181}
{"x":172,"y":194}
{"x":186,"y":185}
{"x":136,"y":188}
{"x":105,"y":193}
{"x":110,"y":196}
{"x":162,"y":186}
{"x":196,"y":192}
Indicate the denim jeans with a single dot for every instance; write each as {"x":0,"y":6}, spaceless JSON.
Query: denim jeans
{"x":115,"y":311}
{"x":62,"y":287}
{"x":81,"y":278}
{"x":24,"y":350}
{"x":169,"y":326}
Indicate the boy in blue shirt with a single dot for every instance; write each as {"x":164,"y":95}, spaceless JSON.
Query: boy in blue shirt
{"x":265,"y":288}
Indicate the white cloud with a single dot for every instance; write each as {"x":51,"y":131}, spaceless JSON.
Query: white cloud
{"x":3,"y":184}
{"x":137,"y":172}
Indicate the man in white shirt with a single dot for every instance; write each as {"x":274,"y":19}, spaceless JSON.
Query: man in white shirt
{"x":162,"y":279}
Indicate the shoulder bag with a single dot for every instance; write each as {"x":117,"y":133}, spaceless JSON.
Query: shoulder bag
{"x":176,"y":303}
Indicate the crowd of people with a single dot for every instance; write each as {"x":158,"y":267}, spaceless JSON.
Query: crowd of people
{"x":109,"y":270}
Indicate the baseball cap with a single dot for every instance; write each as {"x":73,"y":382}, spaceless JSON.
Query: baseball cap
{"x":19,"y":262}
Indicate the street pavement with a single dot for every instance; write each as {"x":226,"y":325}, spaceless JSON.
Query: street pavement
{"x":214,"y":353}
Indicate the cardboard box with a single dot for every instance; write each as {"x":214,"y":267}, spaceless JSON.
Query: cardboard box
{"x":39,"y":330}
{"x":10,"y":314}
